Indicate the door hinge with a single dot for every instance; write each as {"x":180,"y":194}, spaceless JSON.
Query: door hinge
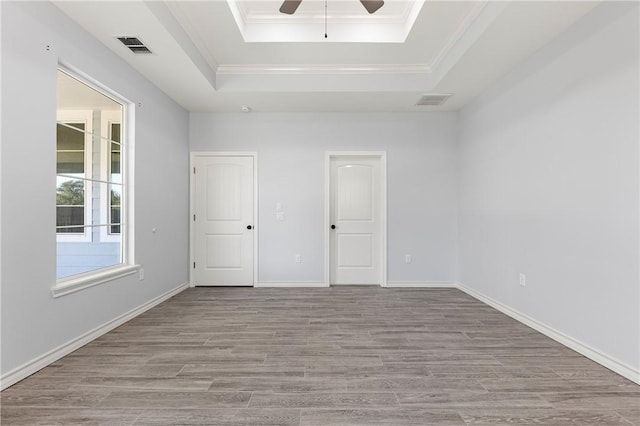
{"x":194,"y":170}
{"x":194,"y":217}
{"x":194,"y":265}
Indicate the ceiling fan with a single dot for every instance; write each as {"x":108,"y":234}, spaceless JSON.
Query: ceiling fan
{"x":290,"y":6}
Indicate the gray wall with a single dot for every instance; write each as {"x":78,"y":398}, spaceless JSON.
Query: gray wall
{"x":291,"y":153}
{"x":548,"y":185}
{"x":32,"y":321}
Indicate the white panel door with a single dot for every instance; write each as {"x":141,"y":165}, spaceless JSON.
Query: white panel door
{"x":223,"y":222}
{"x":356,"y":220}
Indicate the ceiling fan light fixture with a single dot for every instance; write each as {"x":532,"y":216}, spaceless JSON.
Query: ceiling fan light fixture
{"x":289,"y":7}
{"x":372,"y":5}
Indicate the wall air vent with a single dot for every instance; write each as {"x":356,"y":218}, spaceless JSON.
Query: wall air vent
{"x":134,"y":44}
{"x":433,"y":99}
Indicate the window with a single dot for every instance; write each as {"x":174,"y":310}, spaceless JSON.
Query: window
{"x":111,"y":164}
{"x":114,"y":170}
{"x":91,"y":225}
{"x":73,"y":166}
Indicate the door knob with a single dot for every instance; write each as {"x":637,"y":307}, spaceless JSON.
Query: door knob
{"x":333,"y":227}
{"x":248,"y":226}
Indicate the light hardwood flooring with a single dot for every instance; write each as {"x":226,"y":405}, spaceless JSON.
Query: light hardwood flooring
{"x":340,"y":355}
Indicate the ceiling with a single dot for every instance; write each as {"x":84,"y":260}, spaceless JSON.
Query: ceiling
{"x":219,"y":55}
{"x":260,"y":21}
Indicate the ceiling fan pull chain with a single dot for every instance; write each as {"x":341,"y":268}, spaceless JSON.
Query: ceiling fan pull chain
{"x":325,"y":18}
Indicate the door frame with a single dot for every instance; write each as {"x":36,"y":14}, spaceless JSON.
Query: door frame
{"x":192,"y":203}
{"x":382,"y":156}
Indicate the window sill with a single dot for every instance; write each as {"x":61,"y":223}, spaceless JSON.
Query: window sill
{"x":80,"y":282}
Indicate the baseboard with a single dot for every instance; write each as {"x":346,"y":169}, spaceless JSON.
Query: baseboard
{"x":421,"y":284}
{"x":33,"y":366}
{"x":290,"y":284}
{"x":568,"y":341}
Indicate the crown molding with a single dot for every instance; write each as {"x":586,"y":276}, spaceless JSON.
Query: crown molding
{"x":248,"y":17}
{"x":458,"y":33}
{"x":260,"y":25}
{"x":198,"y":40}
{"x":339,"y":69}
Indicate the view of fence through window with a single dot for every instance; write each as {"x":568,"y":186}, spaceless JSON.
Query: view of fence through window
{"x":70,"y":191}
{"x":89,"y":178}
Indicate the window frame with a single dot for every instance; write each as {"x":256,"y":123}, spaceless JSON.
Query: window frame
{"x":127,"y":265}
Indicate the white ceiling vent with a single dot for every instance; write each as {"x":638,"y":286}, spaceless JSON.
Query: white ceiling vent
{"x":134,"y":44}
{"x":433,"y":99}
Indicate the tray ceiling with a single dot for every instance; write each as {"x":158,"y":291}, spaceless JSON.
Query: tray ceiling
{"x":206,"y":57}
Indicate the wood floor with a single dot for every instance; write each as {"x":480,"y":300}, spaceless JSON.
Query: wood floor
{"x":341,"y":355}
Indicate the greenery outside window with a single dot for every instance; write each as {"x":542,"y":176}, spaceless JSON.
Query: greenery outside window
{"x":73,"y":167}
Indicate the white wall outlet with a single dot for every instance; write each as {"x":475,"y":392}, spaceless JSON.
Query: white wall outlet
{"x":408,"y":258}
{"x":298,"y":258}
{"x":523,"y":279}
{"x":141,"y":273}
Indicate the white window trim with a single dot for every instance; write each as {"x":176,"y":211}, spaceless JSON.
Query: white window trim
{"x":92,"y":278}
{"x":86,"y":117}
{"x":128,"y":266}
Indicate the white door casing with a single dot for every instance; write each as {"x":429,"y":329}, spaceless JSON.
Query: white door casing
{"x":356,"y":209}
{"x":223,"y":202}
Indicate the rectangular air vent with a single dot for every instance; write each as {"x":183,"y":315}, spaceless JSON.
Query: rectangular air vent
{"x":134,"y":44}
{"x":433,"y":99}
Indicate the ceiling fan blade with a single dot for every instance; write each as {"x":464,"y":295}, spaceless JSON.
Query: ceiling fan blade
{"x":290,"y":6}
{"x":372,"y":5}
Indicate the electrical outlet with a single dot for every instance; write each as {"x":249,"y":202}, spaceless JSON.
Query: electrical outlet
{"x":141,"y":272}
{"x":408,"y":258}
{"x":298,"y":258}
{"x":523,"y":279}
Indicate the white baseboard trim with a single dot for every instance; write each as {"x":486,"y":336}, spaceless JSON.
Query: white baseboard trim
{"x":290,"y":284}
{"x":568,"y":341}
{"x":421,"y":284}
{"x":14,"y":376}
